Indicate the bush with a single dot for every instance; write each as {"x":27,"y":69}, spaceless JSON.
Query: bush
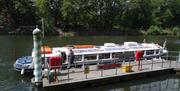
{"x":155,"y":30}
{"x":176,"y":31}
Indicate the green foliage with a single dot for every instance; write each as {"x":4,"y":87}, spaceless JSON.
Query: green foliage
{"x":89,"y":13}
{"x":2,"y":18}
{"x":92,"y":14}
{"x":174,"y":7}
{"x":25,"y":12}
{"x":17,"y":13}
{"x":138,"y":13}
{"x":154,"y":30}
{"x":48,"y":10}
{"x":43,"y":12}
{"x":176,"y":31}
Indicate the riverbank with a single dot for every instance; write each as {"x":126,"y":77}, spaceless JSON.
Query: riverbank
{"x":153,"y":30}
{"x":27,"y":30}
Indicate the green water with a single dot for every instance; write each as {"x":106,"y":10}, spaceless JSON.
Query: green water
{"x":12,"y":47}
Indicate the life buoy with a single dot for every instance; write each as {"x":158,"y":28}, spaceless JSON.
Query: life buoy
{"x":46,"y":50}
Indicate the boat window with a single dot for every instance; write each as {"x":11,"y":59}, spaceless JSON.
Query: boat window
{"x":78,"y":58}
{"x":149,"y":52}
{"x":157,"y":51}
{"x":90,"y":57}
{"x":124,"y":56}
{"x":128,"y":56}
{"x":104,"y":56}
{"x":116,"y":55}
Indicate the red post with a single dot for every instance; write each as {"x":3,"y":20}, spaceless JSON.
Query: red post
{"x":139,"y":55}
{"x":55,"y":63}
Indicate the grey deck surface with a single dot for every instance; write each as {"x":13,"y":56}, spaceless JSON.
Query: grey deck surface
{"x":77,"y":74}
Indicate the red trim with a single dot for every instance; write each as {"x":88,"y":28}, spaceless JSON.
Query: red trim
{"x":108,"y":66}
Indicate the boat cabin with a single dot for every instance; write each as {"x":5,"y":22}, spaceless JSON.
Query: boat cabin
{"x":109,"y":52}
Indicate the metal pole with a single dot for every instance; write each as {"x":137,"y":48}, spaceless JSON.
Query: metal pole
{"x":43,"y":27}
{"x":115,"y":62}
{"x":162,"y":63}
{"x":101,"y":72}
{"x":176,"y":62}
{"x":179,"y":57}
{"x":43,"y":39}
{"x":47,"y":67}
{"x":86,"y":76}
{"x":86,"y":68}
{"x":68,"y":73}
{"x":46,"y":63}
{"x":169,"y":61}
{"x":170,"y":64}
{"x":152,"y":65}
{"x":116,"y":71}
{"x":138,"y":65}
{"x":37,"y":57}
{"x":116,"y":67}
{"x":167,"y":56}
{"x":141,"y":63}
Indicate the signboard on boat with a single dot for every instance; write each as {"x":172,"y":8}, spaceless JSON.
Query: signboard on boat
{"x":86,"y":69}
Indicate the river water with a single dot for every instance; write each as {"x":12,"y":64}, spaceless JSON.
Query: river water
{"x":12,"y":47}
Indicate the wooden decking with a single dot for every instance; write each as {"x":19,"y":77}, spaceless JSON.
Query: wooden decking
{"x":76,"y":76}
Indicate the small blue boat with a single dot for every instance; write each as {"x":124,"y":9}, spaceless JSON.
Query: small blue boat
{"x":24,"y":63}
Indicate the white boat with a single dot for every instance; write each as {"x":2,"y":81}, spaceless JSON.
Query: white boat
{"x":92,"y":54}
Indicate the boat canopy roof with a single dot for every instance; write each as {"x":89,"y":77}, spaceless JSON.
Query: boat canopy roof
{"x":109,"y":48}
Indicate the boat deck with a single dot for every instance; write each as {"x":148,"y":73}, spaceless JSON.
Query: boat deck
{"x":75,"y":77}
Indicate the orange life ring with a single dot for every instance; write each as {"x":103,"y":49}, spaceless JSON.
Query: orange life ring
{"x":46,"y":50}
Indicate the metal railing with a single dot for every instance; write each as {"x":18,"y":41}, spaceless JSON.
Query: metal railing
{"x":92,"y":72}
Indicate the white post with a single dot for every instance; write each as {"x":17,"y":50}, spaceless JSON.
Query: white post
{"x":37,"y":57}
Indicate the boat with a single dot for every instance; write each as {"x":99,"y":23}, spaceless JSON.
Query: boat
{"x":93,"y":54}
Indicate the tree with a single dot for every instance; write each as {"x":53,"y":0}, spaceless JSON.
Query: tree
{"x":2,"y":14}
{"x":49,"y":11}
{"x":173,"y":7}
{"x":90,"y":13}
{"x":138,"y":13}
{"x":17,"y":12}
{"x":8,"y":12}
{"x":43,"y":12}
{"x":25,"y":11}
{"x":55,"y":6}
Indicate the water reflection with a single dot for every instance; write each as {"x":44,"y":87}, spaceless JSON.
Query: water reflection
{"x":161,"y":83}
{"x":177,"y":42}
